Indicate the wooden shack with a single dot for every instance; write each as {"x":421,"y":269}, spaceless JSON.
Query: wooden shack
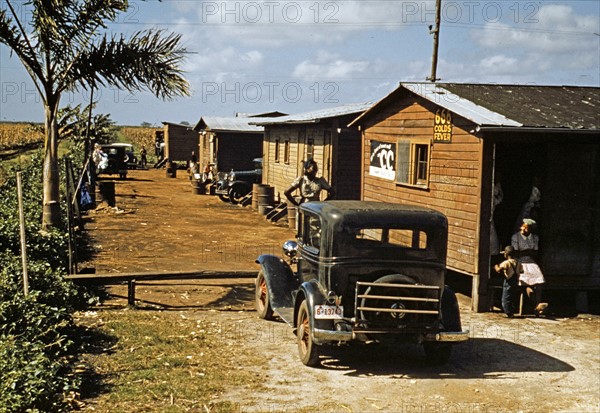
{"x":322,"y":135}
{"x":180,"y":141}
{"x":231,"y":142}
{"x":445,"y":145}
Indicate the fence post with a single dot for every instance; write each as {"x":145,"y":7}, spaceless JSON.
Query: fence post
{"x":22,"y":227}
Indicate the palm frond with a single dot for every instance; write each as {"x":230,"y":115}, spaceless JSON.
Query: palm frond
{"x":148,"y":60}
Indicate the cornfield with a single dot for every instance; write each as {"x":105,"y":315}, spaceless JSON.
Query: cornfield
{"x":140,"y":137}
{"x":14,"y":135}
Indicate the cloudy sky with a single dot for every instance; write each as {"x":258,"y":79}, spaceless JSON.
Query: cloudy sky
{"x":297,"y":56}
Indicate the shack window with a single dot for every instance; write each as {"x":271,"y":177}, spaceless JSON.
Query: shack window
{"x":412,"y":162}
{"x":286,"y":152}
{"x":310,"y":148}
{"x":276,"y":150}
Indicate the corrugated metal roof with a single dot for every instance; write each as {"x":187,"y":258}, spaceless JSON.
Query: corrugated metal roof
{"x":317,"y":115}
{"x":456,"y":103}
{"x":571,"y":107}
{"x":226,"y":124}
{"x":531,"y":106}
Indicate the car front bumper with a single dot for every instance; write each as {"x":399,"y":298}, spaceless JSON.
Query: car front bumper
{"x":323,"y":336}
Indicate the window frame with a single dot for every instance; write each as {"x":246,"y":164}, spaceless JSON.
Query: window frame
{"x":277,"y":145}
{"x":409,"y":163}
{"x":286,"y":151}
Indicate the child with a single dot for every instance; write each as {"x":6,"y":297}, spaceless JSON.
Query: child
{"x":511,"y":269}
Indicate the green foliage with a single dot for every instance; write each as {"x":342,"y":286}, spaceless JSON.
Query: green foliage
{"x":34,"y":356}
{"x":35,"y":351}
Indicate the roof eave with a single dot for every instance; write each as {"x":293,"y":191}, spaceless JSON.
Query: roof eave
{"x":536,"y":129}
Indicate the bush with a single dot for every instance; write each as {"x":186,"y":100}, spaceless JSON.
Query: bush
{"x":34,"y":356}
{"x":35,"y":350}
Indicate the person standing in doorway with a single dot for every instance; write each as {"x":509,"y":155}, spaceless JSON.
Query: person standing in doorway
{"x":511,"y":269}
{"x":526,"y":246}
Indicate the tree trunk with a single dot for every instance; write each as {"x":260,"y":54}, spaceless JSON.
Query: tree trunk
{"x":51,"y":217}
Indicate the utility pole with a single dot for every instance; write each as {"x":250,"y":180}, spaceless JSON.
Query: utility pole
{"x":435,"y":30}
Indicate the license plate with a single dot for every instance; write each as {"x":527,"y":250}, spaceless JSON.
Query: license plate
{"x":328,"y":312}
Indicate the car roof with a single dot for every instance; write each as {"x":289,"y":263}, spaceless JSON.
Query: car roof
{"x":118,"y":145}
{"x":365,"y":214}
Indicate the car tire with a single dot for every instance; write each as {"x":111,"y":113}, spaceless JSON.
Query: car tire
{"x":377,"y":303}
{"x":308,"y":351}
{"x":224,"y":198}
{"x":439,"y":353}
{"x":262,"y":299}
{"x":236,"y":193}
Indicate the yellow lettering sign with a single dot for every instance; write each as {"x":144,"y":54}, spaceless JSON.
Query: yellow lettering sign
{"x":442,"y":130}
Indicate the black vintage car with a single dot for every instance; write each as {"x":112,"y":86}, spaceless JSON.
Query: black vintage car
{"x":364,"y":271}
{"x":235,"y":185}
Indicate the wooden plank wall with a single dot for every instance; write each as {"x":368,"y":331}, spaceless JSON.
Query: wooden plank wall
{"x":180,"y":142}
{"x":454,"y":174}
{"x":281,"y":174}
{"x":204,"y":156}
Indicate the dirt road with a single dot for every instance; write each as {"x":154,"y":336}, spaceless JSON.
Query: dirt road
{"x":509,"y":365}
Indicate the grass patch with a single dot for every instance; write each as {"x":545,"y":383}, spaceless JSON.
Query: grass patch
{"x":142,"y":361}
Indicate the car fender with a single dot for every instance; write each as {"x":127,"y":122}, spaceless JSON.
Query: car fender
{"x":310,"y":291}
{"x":281,"y":281}
{"x":241,"y":184}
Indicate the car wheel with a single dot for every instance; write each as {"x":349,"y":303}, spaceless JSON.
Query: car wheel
{"x":374,"y":299}
{"x":224,"y":198}
{"x":439,"y":353}
{"x":262,"y":299}
{"x":236,"y":193}
{"x":450,"y":311}
{"x":307,"y":349}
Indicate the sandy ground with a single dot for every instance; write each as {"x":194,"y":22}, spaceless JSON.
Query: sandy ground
{"x":509,"y":365}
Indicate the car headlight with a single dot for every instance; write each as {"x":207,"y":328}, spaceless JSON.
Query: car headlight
{"x":231,"y":177}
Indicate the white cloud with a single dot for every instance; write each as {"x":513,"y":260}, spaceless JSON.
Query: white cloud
{"x":556,"y":39}
{"x":498,"y":65}
{"x":279,"y":23}
{"x":329,"y":66}
{"x":220,"y":64}
{"x":557,"y":29}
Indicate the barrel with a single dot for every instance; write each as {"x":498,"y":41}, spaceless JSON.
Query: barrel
{"x":171,"y":169}
{"x":198,"y":187}
{"x":106,"y":192}
{"x":265,"y":199}
{"x":256,"y":188}
{"x":291,"y":216}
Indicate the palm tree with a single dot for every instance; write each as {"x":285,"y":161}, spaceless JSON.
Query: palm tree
{"x":64,"y":47}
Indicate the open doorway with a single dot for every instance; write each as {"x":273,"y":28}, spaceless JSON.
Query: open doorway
{"x":518,"y":167}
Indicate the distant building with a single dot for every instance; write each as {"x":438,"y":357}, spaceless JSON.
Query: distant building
{"x":321,"y":135}
{"x":180,"y":141}
{"x":230,"y":142}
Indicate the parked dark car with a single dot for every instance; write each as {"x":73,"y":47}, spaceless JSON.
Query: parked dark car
{"x":119,"y":156}
{"x":366,"y":272}
{"x":235,"y":185}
